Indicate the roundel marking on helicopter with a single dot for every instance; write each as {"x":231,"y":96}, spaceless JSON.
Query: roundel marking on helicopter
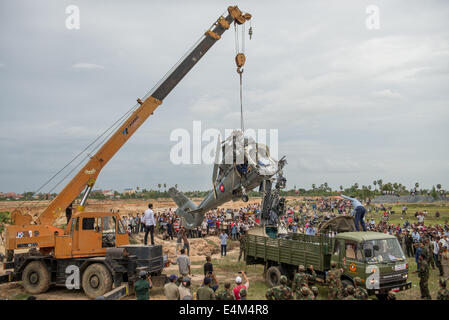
{"x":222,"y":188}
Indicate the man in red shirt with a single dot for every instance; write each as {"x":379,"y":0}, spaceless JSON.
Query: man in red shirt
{"x":239,"y":285}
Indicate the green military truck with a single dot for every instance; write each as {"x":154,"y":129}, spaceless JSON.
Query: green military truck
{"x":376,"y":258}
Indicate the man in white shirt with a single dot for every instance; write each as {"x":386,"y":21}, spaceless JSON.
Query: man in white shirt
{"x":148,"y":220}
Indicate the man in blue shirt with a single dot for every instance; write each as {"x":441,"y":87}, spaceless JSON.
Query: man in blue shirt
{"x":359,"y":211}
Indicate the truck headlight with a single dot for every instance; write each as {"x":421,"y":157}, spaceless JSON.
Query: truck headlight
{"x":405,"y":276}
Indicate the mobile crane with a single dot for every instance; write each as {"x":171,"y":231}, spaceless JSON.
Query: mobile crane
{"x":97,"y":243}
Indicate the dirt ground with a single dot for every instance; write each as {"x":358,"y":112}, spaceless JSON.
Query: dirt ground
{"x":199,"y":248}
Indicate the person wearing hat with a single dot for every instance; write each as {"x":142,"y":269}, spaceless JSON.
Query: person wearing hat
{"x":350,"y":291}
{"x":171,"y":290}
{"x":334,"y":280}
{"x":315,"y":292}
{"x":306,"y":294}
{"x":184,"y":289}
{"x":281,"y":292}
{"x":443,"y":293}
{"x":360,"y":292}
{"x":205,"y":292}
{"x":239,"y":285}
{"x":142,"y":286}
{"x":243,"y":294}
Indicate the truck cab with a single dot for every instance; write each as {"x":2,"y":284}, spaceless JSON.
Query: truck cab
{"x":376,"y":258}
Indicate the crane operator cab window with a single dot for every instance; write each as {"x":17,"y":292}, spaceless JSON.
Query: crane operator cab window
{"x":108,"y":237}
{"x":92,"y":224}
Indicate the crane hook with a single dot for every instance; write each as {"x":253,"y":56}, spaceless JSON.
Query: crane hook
{"x":240,"y":61}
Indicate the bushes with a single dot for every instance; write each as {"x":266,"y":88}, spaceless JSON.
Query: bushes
{"x":5,"y":218}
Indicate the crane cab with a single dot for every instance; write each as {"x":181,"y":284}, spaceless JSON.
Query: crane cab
{"x":90,"y":234}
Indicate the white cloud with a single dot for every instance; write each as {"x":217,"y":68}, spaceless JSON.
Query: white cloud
{"x":83,"y":65}
{"x":387,"y":93}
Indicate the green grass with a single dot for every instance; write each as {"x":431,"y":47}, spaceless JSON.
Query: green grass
{"x":430,"y":219}
{"x":21,"y":296}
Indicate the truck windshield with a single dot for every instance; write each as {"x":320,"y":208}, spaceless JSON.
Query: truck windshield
{"x":383,"y":251}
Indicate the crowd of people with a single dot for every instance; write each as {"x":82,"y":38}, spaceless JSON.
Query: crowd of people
{"x":428,"y":244}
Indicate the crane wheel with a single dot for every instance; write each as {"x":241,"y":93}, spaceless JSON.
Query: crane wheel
{"x":273,"y":276}
{"x":97,"y":280}
{"x":36,"y":277}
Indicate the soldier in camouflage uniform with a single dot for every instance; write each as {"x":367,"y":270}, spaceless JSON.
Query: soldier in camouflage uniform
{"x":305,"y":294}
{"x":299,"y":281}
{"x":281,"y":292}
{"x":423,"y":274}
{"x":430,"y":260}
{"x":242,"y":246}
{"x":315,"y":292}
{"x":226,"y":293}
{"x":311,"y":277}
{"x":360,"y":292}
{"x":334,"y":280}
{"x":443,"y":293}
{"x":350,"y":291}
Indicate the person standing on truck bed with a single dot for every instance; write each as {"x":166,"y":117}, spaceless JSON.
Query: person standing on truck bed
{"x":281,"y":292}
{"x":359,"y":210}
{"x":148,"y":219}
{"x":299,"y":281}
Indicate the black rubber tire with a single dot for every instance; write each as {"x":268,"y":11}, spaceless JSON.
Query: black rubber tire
{"x":36,"y":277}
{"x":245,"y":198}
{"x":97,"y":280}
{"x":273,"y":276}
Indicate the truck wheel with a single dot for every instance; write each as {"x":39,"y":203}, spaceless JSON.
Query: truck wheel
{"x":97,"y":280}
{"x":273,"y":276}
{"x":36,"y":277}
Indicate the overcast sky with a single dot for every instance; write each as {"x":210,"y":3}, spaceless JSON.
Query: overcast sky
{"x":351,"y":104}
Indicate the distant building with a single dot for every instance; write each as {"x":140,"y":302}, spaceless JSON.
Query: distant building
{"x":129,"y":191}
{"x":108,"y":193}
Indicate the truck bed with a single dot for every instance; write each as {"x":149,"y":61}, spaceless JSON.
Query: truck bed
{"x":297,"y":249}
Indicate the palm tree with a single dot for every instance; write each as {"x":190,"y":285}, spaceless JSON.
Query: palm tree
{"x":341,"y":188}
{"x":165,"y":187}
{"x":375,"y":183}
{"x":159,"y":186}
{"x":439,"y":186}
{"x":416,"y":185}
